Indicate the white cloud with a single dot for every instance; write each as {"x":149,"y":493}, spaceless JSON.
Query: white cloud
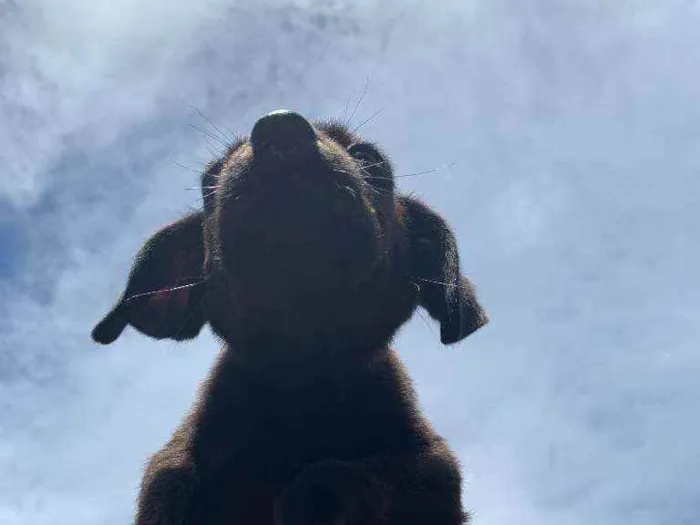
{"x":573,"y":126}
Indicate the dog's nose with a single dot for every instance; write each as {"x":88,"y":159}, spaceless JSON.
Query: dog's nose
{"x":282,"y":129}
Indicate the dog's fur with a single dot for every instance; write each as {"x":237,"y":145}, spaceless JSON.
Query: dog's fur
{"x":305,"y":262}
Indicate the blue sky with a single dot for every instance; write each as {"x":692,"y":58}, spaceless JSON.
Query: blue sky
{"x":573,"y":127}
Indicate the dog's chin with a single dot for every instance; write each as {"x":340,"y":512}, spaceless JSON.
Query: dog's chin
{"x":286,"y":292}
{"x":255,"y":310}
{"x":298,"y":252}
{"x":283,"y":275}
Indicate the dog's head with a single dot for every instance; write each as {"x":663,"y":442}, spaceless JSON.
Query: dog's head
{"x":303,"y":239}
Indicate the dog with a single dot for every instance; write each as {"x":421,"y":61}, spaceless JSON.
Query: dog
{"x":304,"y":261}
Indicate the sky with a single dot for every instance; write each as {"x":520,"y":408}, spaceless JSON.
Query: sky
{"x":566,"y":136}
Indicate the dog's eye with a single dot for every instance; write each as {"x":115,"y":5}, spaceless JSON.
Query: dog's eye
{"x":367,"y":154}
{"x":376,"y":170}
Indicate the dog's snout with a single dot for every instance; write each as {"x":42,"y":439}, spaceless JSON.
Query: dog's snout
{"x":282,"y":130}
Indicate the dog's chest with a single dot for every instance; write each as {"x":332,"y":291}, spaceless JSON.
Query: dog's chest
{"x":252,"y":442}
{"x":244,"y":475}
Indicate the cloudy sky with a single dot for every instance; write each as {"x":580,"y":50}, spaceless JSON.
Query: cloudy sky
{"x":574,"y":129}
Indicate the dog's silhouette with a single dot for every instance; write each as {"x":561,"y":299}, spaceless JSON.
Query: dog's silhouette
{"x":305,"y":261}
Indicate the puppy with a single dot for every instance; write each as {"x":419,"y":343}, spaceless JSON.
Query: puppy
{"x":305,"y":261}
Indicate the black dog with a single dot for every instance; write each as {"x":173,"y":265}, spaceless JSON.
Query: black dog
{"x":305,"y":262}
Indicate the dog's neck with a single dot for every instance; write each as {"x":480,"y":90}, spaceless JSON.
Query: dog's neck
{"x":273,"y":356}
{"x":311,"y":401}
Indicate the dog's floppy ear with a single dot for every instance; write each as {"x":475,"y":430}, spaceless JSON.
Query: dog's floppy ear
{"x":165,"y":288}
{"x":447,"y":295}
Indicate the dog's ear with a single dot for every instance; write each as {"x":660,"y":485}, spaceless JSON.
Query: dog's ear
{"x":447,"y":295}
{"x":165,"y":288}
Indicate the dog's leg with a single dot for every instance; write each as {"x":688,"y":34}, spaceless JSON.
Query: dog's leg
{"x":165,"y":496}
{"x":416,"y":490}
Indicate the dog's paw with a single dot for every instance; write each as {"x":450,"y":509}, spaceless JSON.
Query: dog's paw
{"x":331,"y":493}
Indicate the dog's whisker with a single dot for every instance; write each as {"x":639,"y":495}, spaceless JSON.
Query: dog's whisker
{"x":347,"y":106}
{"x":426,"y":172}
{"x":211,"y":136}
{"x":368,"y":120}
{"x":378,"y":177}
{"x":427,"y":323}
{"x":223,"y":135}
{"x":201,"y":199}
{"x":165,"y":290}
{"x":379,"y":191}
{"x":209,"y":194}
{"x":184,"y":167}
{"x":441,"y":283}
{"x":198,"y":188}
{"x":357,"y":105}
{"x":373,"y":164}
